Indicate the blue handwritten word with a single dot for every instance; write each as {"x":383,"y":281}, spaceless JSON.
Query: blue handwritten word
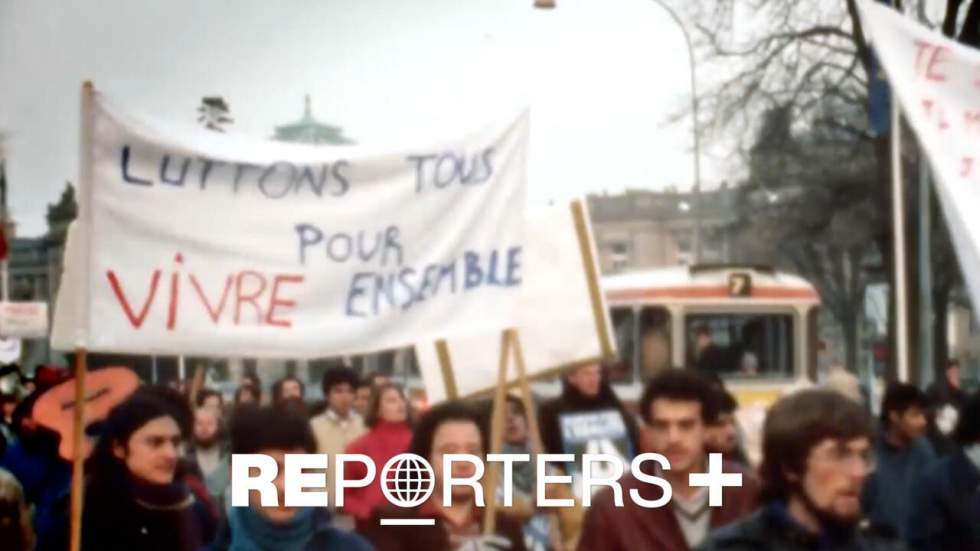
{"x":273,"y":181}
{"x":442,"y":170}
{"x":341,"y":247}
{"x":373,"y":293}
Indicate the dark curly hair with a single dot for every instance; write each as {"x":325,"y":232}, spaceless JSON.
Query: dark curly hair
{"x":443,"y":413}
{"x":681,"y":385}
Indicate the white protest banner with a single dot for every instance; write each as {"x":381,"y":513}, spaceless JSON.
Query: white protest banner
{"x":562,"y":322}
{"x":196,"y":242}
{"x":27,"y":320}
{"x":937,"y":82}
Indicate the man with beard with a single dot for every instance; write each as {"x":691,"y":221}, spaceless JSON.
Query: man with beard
{"x":289,"y":392}
{"x":677,"y":406}
{"x":816,"y":458}
{"x":901,"y":451}
{"x":137,"y":497}
{"x":209,"y":453}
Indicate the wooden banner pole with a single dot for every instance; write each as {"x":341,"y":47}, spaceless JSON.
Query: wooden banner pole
{"x":534,"y":428}
{"x":197,"y":383}
{"x":507,"y":338}
{"x":537,"y":446}
{"x":446,"y":365}
{"x":581,"y":221}
{"x":78,"y":459}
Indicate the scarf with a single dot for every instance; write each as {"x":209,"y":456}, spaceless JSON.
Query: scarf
{"x":175,"y":496}
{"x":251,"y":532}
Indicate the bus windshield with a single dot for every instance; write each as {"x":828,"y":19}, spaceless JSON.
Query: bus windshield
{"x":740,"y":345}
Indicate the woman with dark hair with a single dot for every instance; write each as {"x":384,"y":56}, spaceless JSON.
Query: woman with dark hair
{"x":137,"y":496}
{"x":817,"y":456}
{"x":389,"y":434}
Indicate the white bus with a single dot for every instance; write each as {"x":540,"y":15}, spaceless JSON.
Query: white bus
{"x":753,"y":327}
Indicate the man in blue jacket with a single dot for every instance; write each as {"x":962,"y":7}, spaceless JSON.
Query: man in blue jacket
{"x":901,"y":453}
{"x":946,"y":514}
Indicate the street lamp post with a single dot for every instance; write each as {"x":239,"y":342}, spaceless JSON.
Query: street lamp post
{"x":696,"y":196}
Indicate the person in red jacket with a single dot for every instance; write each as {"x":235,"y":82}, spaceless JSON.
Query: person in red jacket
{"x":389,"y":434}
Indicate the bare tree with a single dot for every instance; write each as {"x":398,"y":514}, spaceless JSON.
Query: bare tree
{"x":812,"y":61}
{"x":804,"y":210}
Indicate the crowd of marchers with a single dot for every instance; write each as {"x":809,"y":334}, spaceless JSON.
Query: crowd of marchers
{"x":831,"y":476}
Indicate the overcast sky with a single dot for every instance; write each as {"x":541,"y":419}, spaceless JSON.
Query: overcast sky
{"x":600,"y":76}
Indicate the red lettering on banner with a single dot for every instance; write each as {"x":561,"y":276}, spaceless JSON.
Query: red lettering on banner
{"x":275,"y":301}
{"x":935,"y":113}
{"x":213,"y":313}
{"x":251,"y":287}
{"x":134,"y":319}
{"x":251,"y":298}
{"x":928,"y":57}
{"x":971,"y":120}
{"x":966,"y":168}
{"x":927,"y":105}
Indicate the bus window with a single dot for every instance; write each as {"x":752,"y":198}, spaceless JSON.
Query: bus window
{"x":741,"y":345}
{"x":624,"y":330}
{"x":813,"y":339}
{"x":654,"y":341}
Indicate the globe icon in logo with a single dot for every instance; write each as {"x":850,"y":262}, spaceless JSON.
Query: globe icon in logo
{"x":407,"y":480}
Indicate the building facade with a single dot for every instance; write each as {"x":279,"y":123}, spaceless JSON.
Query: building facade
{"x":641,"y":229}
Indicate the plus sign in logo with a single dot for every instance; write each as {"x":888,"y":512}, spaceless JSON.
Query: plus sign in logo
{"x":715,"y":480}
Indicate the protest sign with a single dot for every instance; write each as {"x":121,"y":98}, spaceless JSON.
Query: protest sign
{"x":563,"y":319}
{"x":196,"y":242}
{"x":937,"y":83}
{"x":27,"y":320}
{"x":10,"y":349}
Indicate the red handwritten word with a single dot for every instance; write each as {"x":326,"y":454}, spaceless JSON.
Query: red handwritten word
{"x":928,"y":58}
{"x":936,"y":113}
{"x":250,"y":288}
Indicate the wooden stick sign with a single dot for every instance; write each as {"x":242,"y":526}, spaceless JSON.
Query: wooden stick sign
{"x":508,"y":340}
{"x":562,"y":318}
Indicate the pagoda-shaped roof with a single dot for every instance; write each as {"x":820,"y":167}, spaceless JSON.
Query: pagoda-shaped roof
{"x":311,"y":131}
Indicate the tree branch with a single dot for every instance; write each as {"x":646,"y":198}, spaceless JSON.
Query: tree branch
{"x":860,"y":42}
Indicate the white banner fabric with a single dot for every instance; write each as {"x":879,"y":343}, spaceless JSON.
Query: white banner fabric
{"x":937,"y":82}
{"x":200,"y":243}
{"x":560,"y":322}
